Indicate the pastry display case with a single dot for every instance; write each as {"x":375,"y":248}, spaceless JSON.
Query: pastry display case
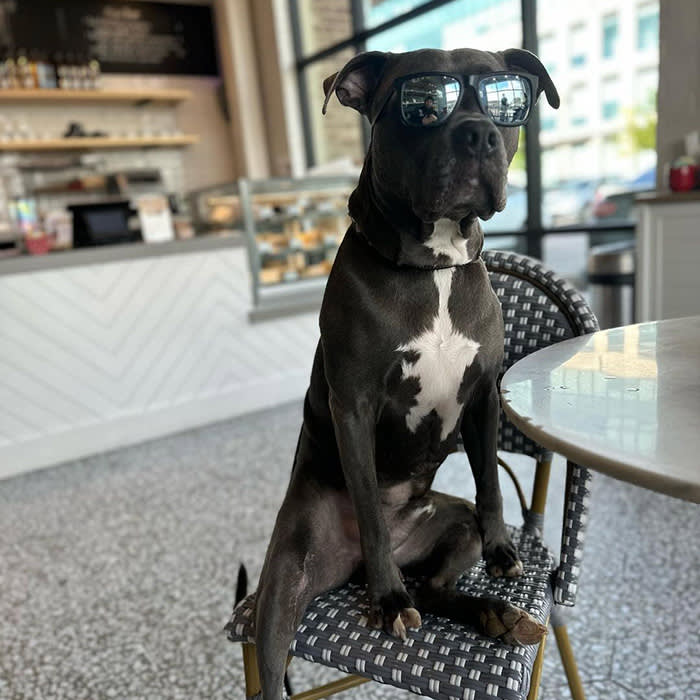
{"x":292,"y":226}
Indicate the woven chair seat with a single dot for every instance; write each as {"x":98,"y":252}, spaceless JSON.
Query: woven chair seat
{"x":443,"y":659}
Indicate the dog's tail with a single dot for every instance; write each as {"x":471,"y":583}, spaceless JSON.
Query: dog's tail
{"x":241,"y":593}
{"x":241,"y":585}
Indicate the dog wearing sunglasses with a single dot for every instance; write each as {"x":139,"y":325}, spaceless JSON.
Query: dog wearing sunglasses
{"x":410,"y":350}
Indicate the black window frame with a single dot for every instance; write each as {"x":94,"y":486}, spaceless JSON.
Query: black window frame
{"x":533,"y":229}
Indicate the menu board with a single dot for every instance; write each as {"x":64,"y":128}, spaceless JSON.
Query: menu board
{"x":125,"y":37}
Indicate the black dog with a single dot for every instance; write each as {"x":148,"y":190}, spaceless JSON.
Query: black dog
{"x":410,"y":350}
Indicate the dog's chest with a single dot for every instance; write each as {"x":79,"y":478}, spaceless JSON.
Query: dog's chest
{"x":438,"y":358}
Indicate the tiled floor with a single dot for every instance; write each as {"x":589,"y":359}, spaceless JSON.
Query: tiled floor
{"x":117,"y":573}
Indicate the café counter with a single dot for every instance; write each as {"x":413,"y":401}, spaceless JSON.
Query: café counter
{"x":110,"y":346}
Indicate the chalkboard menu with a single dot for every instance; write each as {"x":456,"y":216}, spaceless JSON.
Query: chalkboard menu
{"x":125,"y":37}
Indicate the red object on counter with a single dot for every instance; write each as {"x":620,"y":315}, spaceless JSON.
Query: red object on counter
{"x":38,"y":245}
{"x":683,"y":178}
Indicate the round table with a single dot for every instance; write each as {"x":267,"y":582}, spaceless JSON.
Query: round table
{"x":624,"y":401}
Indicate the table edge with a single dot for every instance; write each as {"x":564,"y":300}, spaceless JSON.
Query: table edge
{"x":686,"y":491}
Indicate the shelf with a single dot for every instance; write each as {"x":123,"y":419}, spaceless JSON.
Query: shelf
{"x":58,"y":95}
{"x":75,"y":144}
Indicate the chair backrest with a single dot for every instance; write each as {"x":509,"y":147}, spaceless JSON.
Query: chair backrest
{"x":541,"y":308}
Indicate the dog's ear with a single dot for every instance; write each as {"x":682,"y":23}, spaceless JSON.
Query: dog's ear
{"x":520,"y":58}
{"x":356,"y":82}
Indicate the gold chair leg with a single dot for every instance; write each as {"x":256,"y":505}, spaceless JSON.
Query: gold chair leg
{"x":251,"y":670}
{"x":537,"y":672}
{"x":324,"y":691}
{"x":567,"y":658}
{"x":539,"y":489}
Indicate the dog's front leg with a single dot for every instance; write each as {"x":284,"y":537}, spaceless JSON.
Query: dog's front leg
{"x":480,"y":435}
{"x":390,"y":605}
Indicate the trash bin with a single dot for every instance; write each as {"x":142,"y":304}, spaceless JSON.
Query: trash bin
{"x":611,"y":280}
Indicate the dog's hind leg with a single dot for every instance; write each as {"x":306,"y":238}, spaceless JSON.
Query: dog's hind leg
{"x":308,"y":554}
{"x":456,"y":547}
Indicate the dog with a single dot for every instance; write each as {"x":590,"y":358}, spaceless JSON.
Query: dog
{"x":410,"y":350}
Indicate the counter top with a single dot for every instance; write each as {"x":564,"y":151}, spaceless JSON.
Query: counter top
{"x":112,"y":253}
{"x":668,"y":197}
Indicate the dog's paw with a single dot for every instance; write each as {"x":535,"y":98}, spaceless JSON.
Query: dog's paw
{"x":512,"y":625}
{"x":502,"y":559}
{"x":395,"y":614}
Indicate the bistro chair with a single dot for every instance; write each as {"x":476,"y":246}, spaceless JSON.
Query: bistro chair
{"x":445,"y":659}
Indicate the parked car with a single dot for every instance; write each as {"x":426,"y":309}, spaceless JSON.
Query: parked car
{"x":567,"y":202}
{"x":616,"y":204}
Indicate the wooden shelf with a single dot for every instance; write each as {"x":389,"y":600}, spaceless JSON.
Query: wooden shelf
{"x":58,"y":95}
{"x":76,"y":144}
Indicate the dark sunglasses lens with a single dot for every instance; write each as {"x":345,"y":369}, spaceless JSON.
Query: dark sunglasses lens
{"x":506,"y":98}
{"x":427,"y":100}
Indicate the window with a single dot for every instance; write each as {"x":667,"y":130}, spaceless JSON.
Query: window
{"x":600,"y":136}
{"x":322,"y":24}
{"x":579,"y":103}
{"x":648,"y":27}
{"x":547,"y":52}
{"x":610,"y":98}
{"x":337,"y":135}
{"x":609,"y":35}
{"x":579,"y":46}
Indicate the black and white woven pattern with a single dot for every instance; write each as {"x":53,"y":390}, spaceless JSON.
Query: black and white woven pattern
{"x":443,"y":659}
{"x":539,"y":309}
{"x":573,"y":533}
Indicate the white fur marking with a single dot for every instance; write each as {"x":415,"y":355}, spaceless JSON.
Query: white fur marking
{"x":444,"y":354}
{"x":447,"y":240}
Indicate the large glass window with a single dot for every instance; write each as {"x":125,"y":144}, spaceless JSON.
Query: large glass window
{"x":337,"y":135}
{"x":600,"y":151}
{"x":323,"y":23}
{"x":590,"y":158}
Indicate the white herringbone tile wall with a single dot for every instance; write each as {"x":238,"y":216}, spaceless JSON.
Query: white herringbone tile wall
{"x":100,"y":356}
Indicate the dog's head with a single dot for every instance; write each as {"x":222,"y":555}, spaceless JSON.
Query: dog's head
{"x":428,"y":165}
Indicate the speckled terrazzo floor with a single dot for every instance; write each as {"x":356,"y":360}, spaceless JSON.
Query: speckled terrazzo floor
{"x":117,"y":573}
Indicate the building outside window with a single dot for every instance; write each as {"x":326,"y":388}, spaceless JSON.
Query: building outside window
{"x":610,"y":27}
{"x":602,"y":136}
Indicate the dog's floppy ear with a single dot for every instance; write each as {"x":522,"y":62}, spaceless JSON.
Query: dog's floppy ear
{"x":520,"y":58}
{"x":356,"y":82}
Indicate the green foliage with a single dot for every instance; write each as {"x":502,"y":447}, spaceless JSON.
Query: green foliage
{"x":639,"y":131}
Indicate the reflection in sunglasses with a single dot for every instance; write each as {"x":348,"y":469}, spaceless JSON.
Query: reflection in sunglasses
{"x":430,"y":99}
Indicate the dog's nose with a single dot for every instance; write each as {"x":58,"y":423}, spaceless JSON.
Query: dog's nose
{"x":477,"y":138}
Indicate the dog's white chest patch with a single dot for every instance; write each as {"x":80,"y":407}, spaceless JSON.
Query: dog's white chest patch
{"x":443,"y":356}
{"x":447,"y":240}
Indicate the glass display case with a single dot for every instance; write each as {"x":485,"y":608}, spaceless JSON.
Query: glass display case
{"x":292,"y":228}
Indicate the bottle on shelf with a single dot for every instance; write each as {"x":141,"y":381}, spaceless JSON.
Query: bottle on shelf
{"x":94,"y":74}
{"x":24,"y":73}
{"x":46,"y":72}
{"x":32,"y":66}
{"x":82,"y":72}
{"x":61,"y":70}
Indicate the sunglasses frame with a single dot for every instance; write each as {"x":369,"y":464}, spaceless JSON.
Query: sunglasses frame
{"x":474,"y":81}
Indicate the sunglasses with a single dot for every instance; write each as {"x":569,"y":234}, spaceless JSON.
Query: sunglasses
{"x":429,"y":99}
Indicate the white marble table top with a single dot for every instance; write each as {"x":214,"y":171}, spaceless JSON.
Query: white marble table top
{"x":624,"y":401}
